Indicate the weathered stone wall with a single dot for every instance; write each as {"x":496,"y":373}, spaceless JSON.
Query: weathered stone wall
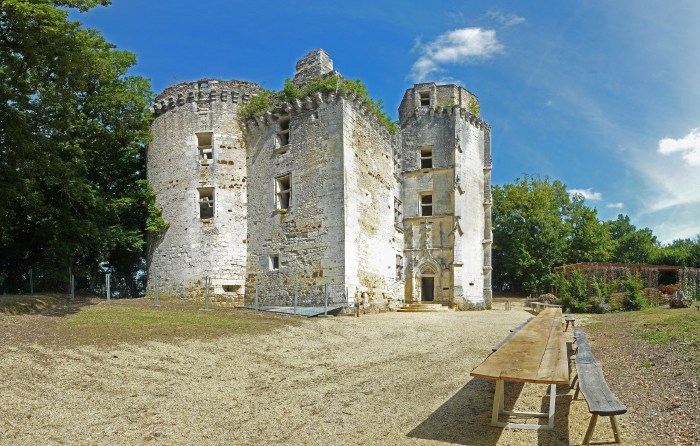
{"x":193,"y":247}
{"x":308,"y":237}
{"x":472,"y":245}
{"x":318,"y":193}
{"x":448,"y":244}
{"x":372,"y":240}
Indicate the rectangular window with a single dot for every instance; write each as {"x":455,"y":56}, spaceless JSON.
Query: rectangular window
{"x":204,"y":145}
{"x":424,"y":98}
{"x":426,"y":205}
{"x":274,"y":262}
{"x":206,"y":202}
{"x":283,"y":133}
{"x":426,"y":157}
{"x":283,"y":191}
{"x":398,"y":212}
{"x":399,"y":266}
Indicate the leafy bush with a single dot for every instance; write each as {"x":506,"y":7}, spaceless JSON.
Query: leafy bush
{"x":634,"y":297}
{"x":597,"y":304}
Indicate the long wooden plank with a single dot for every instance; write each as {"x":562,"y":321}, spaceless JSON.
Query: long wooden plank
{"x":555,"y":364}
{"x":598,"y":395}
{"x":537,"y":353}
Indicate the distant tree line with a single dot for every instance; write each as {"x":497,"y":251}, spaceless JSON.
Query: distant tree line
{"x":73,"y":129}
{"x":538,"y":225}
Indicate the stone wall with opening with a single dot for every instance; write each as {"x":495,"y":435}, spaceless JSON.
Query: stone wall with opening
{"x":197,"y":168}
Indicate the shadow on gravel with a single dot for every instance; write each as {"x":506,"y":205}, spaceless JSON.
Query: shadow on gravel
{"x":466,"y":417}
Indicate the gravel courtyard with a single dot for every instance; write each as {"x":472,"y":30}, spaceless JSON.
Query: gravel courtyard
{"x":385,"y":379}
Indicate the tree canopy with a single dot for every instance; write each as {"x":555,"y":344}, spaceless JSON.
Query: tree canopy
{"x":538,"y":225}
{"x":73,"y":129}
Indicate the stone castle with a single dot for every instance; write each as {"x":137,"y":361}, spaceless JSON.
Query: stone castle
{"x":318,"y":192}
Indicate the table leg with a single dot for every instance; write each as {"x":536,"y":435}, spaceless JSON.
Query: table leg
{"x":499,"y":405}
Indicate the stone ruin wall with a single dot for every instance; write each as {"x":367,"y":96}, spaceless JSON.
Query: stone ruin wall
{"x":195,"y":247}
{"x":309,"y":236}
{"x":452,"y":241}
{"x":373,"y":240}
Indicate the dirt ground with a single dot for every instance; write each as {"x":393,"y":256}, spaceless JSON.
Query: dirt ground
{"x":384,"y":379}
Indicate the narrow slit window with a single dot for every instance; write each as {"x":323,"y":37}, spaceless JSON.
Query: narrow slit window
{"x":399,"y":266}
{"x":424,"y":98}
{"x":274,"y":262}
{"x":426,"y":157}
{"x":283,"y":133}
{"x":283,"y":191}
{"x":398,"y":212}
{"x":426,"y":205}
{"x":206,"y":202}
{"x":205,"y":147}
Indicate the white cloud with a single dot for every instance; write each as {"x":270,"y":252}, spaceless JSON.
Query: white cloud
{"x":587,"y":194}
{"x":618,"y":205}
{"x":504,"y":18}
{"x":689,"y":146}
{"x":455,"y":47}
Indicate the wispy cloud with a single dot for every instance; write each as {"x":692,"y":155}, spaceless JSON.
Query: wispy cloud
{"x":506,"y":19}
{"x":689,"y":146}
{"x":454,"y":47}
{"x":587,"y":194}
{"x":618,"y":205}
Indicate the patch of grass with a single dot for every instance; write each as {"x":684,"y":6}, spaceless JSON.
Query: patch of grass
{"x":646,"y":364}
{"x":135,"y":321}
{"x":657,"y":337}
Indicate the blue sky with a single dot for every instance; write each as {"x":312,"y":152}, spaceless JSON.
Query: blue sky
{"x":602,"y":95}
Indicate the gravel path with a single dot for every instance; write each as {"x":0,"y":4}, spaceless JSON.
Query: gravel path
{"x":386,"y":379}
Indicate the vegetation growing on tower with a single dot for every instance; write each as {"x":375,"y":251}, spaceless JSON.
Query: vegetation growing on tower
{"x":268,"y":100}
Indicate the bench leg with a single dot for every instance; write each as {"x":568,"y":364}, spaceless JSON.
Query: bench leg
{"x":616,"y":432}
{"x":574,"y":385}
{"x":591,"y":427}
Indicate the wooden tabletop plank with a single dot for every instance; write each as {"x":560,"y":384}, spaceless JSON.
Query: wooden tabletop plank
{"x":537,"y":353}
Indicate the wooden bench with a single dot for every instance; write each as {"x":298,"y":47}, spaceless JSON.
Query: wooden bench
{"x":512,"y":332}
{"x":591,"y":382}
{"x":569,"y":319}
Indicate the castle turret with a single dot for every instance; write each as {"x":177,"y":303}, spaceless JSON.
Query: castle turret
{"x":444,"y":158}
{"x":197,"y":168}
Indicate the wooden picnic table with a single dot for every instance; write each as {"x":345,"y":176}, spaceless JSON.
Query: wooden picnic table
{"x":535,"y":354}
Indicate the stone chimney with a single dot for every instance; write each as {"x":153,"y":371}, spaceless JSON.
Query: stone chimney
{"x":315,"y":64}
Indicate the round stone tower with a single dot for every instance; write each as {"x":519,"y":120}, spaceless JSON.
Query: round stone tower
{"x":197,"y":168}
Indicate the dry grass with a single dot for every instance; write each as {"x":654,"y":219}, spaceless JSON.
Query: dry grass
{"x":88,"y":372}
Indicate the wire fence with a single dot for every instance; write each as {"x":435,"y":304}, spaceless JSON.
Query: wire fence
{"x":108,"y":285}
{"x":275,"y":295}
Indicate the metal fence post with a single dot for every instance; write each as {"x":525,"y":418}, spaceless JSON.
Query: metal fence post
{"x":325,"y":300}
{"x":71,"y":283}
{"x":256,"y":297}
{"x":206,"y":293}
{"x":155,"y":291}
{"x":296,"y":297}
{"x":109,"y":298}
{"x":31,"y":281}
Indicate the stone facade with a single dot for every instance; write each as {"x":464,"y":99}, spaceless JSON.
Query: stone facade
{"x":318,"y":193}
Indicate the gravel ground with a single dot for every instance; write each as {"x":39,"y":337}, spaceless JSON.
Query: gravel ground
{"x":385,"y":379}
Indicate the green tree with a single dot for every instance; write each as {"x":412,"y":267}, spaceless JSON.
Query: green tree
{"x":633,"y":299}
{"x":530,"y":235}
{"x":73,"y":128}
{"x":629,"y":244}
{"x":589,"y":239}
